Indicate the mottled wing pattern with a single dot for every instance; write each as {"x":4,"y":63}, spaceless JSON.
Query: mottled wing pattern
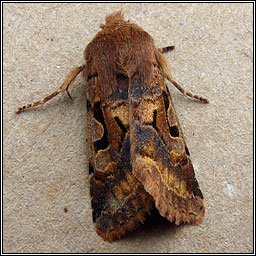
{"x":160,"y":158}
{"x":119,"y":201}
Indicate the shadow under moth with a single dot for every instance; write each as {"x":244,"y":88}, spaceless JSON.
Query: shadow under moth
{"x":137,"y":154}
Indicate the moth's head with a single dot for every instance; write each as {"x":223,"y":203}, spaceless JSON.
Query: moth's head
{"x":114,"y":19}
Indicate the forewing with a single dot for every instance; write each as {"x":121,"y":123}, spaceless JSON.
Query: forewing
{"x":160,"y":158}
{"x":118,"y":199}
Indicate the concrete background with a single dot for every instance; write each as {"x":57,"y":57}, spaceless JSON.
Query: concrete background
{"x":44,"y":149}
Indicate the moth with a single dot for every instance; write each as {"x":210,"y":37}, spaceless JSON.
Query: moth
{"x":137,"y":154}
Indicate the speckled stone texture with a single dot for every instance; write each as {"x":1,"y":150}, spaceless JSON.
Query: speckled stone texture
{"x":46,"y":205}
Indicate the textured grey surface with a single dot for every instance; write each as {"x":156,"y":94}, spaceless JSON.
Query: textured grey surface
{"x":45,"y":150}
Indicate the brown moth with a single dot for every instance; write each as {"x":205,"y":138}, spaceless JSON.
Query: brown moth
{"x":137,"y":153}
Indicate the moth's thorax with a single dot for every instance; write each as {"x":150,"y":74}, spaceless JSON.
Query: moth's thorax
{"x":121,"y":47}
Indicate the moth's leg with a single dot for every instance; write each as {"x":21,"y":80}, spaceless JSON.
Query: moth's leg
{"x":166,"y":49}
{"x":189,"y":94}
{"x":64,"y":87}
